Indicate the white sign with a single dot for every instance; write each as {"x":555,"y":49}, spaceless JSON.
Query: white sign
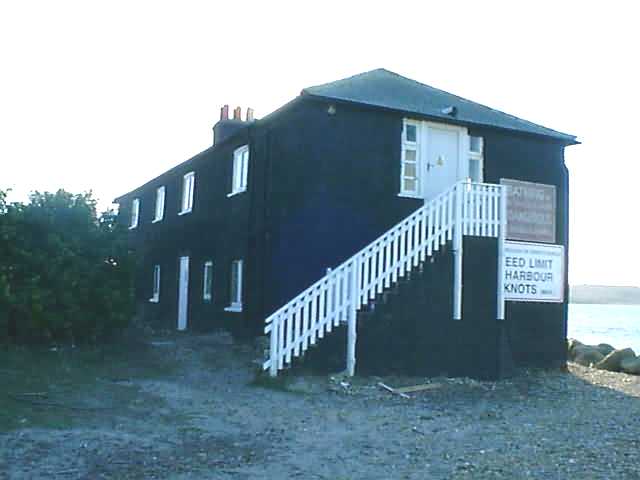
{"x":533,"y":272}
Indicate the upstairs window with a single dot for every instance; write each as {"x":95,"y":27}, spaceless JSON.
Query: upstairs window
{"x":409,"y":178}
{"x":207,"y":281}
{"x":476,"y":159}
{"x":188,"y":184}
{"x":240,"y":170}
{"x":135,"y":213}
{"x":160,"y":194}
{"x":155,"y":296}
{"x":236,"y":287}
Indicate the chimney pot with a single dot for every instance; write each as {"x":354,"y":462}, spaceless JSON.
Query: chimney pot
{"x":224,"y":112}
{"x":249,"y":115}
{"x":237,"y":113}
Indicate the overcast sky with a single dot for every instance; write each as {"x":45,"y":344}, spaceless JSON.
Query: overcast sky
{"x":106,"y":95}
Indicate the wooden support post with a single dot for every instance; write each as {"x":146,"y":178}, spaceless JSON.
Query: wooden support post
{"x":273,"y":347}
{"x":352,"y":317}
{"x":457,"y":253}
{"x":502,"y":235}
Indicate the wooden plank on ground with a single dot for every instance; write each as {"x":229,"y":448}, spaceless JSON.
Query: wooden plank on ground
{"x":393,"y":390}
{"x":418,"y":388}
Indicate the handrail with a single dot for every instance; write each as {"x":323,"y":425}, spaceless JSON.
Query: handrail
{"x":363,"y":249}
{"x":465,"y":209}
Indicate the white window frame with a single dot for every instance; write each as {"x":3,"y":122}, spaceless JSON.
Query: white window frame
{"x":476,"y":156}
{"x":239,"y":174}
{"x":207,"y":281}
{"x":415,"y":146}
{"x":235,"y":303}
{"x":188,"y":189}
{"x":160,"y":201}
{"x":155,"y":294}
{"x":135,"y":213}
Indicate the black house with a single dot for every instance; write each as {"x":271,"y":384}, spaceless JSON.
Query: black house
{"x":431,"y":227}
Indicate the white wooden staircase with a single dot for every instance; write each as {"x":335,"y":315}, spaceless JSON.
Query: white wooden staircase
{"x":476,"y":209}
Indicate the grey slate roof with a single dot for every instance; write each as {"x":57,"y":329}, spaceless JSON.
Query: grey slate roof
{"x":382,"y":88}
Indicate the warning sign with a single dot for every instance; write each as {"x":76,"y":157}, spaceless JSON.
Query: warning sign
{"x":533,"y":272}
{"x":531,"y":211}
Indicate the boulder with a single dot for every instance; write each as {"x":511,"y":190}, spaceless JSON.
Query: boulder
{"x":587,"y":355}
{"x":613,"y":360}
{"x":631,"y":365}
{"x":572,"y":343}
{"x":605,"y":349}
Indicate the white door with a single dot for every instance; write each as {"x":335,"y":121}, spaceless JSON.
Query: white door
{"x":183,"y":293}
{"x":441,"y":154}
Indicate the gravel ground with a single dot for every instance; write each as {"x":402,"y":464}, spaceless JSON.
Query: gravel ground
{"x":210,"y":419}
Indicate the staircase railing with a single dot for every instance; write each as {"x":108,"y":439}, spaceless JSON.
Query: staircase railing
{"x":465,"y":209}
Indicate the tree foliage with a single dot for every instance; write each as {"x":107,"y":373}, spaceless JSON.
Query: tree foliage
{"x":65,"y":272}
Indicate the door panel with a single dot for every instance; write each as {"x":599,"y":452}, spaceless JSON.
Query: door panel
{"x":183,"y":293}
{"x":442,"y":154}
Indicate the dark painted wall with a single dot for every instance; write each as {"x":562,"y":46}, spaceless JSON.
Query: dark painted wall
{"x":333,"y":183}
{"x":216,"y":230}
{"x":536,"y":331}
{"x":320,"y":187}
{"x":332,"y":187}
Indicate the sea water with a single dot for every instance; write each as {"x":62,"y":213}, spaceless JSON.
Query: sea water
{"x":617,"y":325}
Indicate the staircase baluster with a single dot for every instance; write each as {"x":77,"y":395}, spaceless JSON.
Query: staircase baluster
{"x":387,"y":261}
{"x":281,"y":340}
{"x":395,"y":256}
{"x":321,"y":314}
{"x":380,"y":268}
{"x":430,"y":226}
{"x":329,"y":305}
{"x":312,"y":318}
{"x":344,"y":304}
{"x":450,"y":215}
{"x":415,"y":252}
{"x":306,"y":320}
{"x":422,"y":233}
{"x":297,"y":334}
{"x":481,"y":215}
{"x":402,"y":240}
{"x":289,"y":333}
{"x":365,"y":275}
{"x":476,"y":212}
{"x":437,"y":226}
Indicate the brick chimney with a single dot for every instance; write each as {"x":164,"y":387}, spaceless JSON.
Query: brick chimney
{"x":225,"y":127}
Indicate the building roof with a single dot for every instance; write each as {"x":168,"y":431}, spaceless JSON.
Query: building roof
{"x":385,"y":89}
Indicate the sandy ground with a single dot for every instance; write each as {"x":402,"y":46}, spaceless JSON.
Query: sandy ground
{"x":204,"y":416}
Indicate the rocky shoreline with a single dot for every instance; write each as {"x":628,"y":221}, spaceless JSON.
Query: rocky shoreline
{"x":603,"y":357}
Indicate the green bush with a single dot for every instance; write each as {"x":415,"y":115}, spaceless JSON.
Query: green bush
{"x":66,"y":274}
